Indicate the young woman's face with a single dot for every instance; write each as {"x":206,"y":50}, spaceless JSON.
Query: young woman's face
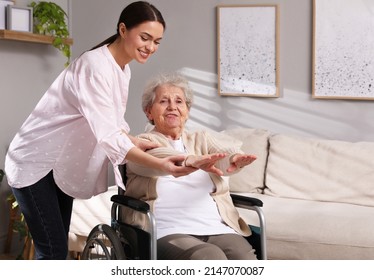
{"x":143,"y":40}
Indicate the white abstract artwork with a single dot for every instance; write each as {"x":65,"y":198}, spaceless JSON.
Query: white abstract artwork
{"x":247,"y":50}
{"x":343,"y":39}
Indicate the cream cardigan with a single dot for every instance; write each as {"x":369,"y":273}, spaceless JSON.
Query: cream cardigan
{"x":141,"y":181}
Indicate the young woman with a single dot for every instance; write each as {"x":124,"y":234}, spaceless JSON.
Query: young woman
{"x":63,"y":149}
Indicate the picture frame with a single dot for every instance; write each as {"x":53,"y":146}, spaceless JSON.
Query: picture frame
{"x":248,"y":50}
{"x":343,"y":43}
{"x":3,"y":10}
{"x":20,"y":18}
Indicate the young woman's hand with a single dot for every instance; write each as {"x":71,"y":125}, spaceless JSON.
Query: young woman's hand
{"x":145,"y":145}
{"x":142,"y":144}
{"x":205,"y":162}
{"x":239,"y":161}
{"x":174,"y":165}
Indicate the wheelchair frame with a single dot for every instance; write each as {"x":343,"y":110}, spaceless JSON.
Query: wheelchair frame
{"x":109,"y":243}
{"x":106,"y":242}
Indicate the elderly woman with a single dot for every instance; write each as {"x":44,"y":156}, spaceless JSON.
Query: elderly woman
{"x":195,"y":216}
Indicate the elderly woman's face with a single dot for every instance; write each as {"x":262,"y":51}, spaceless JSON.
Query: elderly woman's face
{"x":169,"y":110}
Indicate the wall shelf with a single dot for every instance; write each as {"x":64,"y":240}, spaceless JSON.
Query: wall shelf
{"x":29,"y":37}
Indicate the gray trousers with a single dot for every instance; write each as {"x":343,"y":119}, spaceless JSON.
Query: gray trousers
{"x":210,"y":247}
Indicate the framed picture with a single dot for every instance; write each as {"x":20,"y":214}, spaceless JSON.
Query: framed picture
{"x":343,"y":44}
{"x":19,"y":18}
{"x":3,"y":10}
{"x":248,"y":50}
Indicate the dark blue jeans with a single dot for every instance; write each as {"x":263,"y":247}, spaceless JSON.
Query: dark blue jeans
{"x":47,"y":212}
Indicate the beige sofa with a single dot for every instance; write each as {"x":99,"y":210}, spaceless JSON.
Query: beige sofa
{"x":318,"y":194}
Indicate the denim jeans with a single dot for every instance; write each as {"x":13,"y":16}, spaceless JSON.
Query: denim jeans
{"x":47,"y":211}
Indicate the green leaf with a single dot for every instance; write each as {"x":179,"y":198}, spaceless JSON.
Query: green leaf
{"x":50,"y":19}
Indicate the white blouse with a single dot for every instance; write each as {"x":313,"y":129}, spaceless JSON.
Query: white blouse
{"x":76,"y":129}
{"x":184,"y":204}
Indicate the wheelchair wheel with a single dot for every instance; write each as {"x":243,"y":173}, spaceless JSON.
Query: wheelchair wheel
{"x":103,"y":244}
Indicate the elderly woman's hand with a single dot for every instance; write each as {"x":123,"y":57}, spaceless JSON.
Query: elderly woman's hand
{"x":238,"y":161}
{"x":205,"y":162}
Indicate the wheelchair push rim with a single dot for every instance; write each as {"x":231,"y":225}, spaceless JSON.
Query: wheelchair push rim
{"x":103,"y":243}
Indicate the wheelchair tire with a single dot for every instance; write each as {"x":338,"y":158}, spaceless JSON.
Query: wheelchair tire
{"x":103,"y":243}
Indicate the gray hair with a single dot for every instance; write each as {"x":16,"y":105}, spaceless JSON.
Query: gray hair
{"x":173,"y":79}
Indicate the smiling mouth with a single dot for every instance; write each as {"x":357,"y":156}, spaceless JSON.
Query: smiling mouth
{"x":144,"y":54}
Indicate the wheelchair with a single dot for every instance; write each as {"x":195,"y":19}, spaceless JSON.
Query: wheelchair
{"x":121,"y":241}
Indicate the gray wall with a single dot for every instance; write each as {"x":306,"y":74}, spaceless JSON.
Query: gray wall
{"x":189,"y":45}
{"x":26,"y":71}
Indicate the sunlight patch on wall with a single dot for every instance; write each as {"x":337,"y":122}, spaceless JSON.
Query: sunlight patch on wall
{"x":205,"y":118}
{"x":205,"y":111}
{"x":199,"y":75}
{"x":290,"y":117}
{"x":207,"y":105}
{"x":287,"y":114}
{"x":207,"y":91}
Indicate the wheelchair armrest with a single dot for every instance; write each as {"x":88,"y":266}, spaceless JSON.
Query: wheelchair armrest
{"x":130,"y":202}
{"x":245,"y":200}
{"x":254,"y":204}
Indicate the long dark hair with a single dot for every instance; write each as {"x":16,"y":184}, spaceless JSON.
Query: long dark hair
{"x":133,"y":15}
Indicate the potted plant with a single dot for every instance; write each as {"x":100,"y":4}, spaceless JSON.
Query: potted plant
{"x":50,"y":19}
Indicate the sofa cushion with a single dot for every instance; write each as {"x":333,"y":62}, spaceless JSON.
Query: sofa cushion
{"x":303,"y":229}
{"x":254,"y":141}
{"x":321,"y":170}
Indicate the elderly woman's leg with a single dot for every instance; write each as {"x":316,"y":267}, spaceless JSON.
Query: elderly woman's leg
{"x":187,"y":247}
{"x":235,"y":246}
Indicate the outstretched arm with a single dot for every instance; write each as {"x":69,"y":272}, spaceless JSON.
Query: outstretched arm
{"x":184,"y":164}
{"x":205,"y":162}
{"x":238,"y":161}
{"x":148,"y":163}
{"x":208,"y":162}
